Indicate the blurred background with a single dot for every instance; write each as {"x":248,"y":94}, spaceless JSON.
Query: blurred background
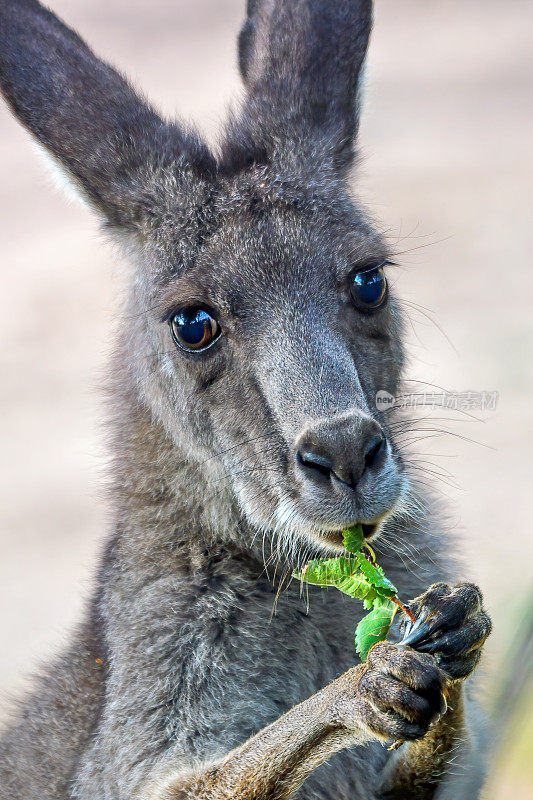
{"x":447,"y":145}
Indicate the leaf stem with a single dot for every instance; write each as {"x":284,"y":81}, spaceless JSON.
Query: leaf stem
{"x":404,"y":609}
{"x":371,"y":551}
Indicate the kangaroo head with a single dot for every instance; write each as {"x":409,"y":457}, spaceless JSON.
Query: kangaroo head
{"x":260,"y":323}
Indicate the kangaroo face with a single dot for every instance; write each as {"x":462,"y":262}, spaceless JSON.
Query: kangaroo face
{"x":269,"y":351}
{"x":260,"y":325}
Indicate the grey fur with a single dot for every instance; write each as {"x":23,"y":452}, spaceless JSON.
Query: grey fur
{"x":180,"y":657}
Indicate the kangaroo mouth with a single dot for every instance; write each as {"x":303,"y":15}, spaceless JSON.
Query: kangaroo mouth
{"x":335,"y":537}
{"x":369,"y":529}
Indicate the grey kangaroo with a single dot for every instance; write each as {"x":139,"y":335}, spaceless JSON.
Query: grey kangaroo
{"x":258,"y":329}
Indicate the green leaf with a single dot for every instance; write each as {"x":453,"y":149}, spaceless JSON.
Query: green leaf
{"x":342,"y":573}
{"x":327,"y":572}
{"x":374,"y":627}
{"x":376,"y":577}
{"x":357,"y":586}
{"x":353,"y":538}
{"x":358,"y":577}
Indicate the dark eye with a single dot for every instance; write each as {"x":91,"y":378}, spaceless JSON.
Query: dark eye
{"x":369,"y":289}
{"x":194,"y":329}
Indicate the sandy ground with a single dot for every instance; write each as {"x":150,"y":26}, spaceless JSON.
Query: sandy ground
{"x":446,"y":139}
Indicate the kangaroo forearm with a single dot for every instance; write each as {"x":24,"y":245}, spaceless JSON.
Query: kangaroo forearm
{"x":420,"y":765}
{"x":258,"y":771}
{"x":275,"y":762}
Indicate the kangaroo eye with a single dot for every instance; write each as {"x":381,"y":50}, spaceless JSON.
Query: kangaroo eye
{"x":369,"y":289}
{"x":194,"y":329}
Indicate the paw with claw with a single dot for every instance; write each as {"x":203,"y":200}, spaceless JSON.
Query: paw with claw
{"x":396,"y":694}
{"x":451,"y":625}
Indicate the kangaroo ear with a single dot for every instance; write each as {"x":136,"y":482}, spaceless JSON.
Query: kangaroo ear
{"x":84,"y":113}
{"x":301,"y":62}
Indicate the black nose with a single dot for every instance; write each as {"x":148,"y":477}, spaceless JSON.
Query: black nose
{"x":343,"y":452}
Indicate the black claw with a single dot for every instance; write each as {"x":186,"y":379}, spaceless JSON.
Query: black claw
{"x":458,"y":642}
{"x":441,"y":643}
{"x":417,"y":634}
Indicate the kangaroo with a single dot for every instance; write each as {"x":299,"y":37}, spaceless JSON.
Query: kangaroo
{"x":258,"y":330}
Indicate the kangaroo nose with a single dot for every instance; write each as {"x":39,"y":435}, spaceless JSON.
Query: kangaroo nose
{"x":343,"y":453}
